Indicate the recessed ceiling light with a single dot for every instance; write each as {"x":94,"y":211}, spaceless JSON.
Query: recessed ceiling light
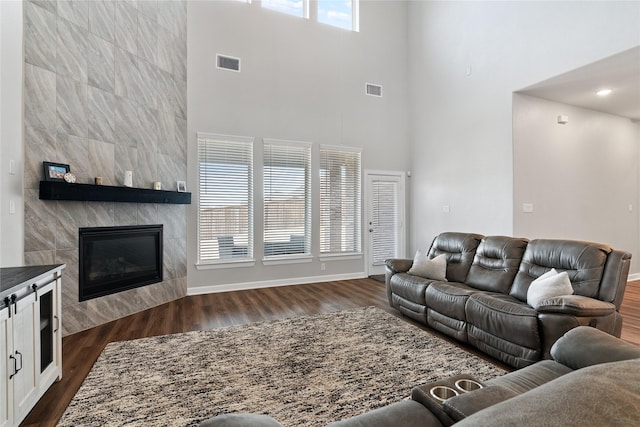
{"x":603,"y":92}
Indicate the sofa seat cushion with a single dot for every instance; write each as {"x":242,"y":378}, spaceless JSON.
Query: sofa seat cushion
{"x":504,"y":327}
{"x":449,"y":298}
{"x":600,"y":395}
{"x":409,"y":287}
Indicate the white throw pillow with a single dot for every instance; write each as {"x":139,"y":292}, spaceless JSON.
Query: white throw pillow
{"x":550,"y":285}
{"x":434,"y":269}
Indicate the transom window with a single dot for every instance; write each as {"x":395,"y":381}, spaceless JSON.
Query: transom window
{"x":291,"y":7}
{"x":338,"y":13}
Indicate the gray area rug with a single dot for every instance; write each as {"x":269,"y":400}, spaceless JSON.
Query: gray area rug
{"x":304,"y":371}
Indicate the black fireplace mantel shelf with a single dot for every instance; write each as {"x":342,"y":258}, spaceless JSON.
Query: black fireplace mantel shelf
{"x":57,"y":190}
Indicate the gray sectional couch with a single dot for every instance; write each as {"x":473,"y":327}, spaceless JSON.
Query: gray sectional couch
{"x":483,"y":301}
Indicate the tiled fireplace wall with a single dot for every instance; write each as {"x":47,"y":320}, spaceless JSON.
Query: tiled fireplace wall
{"x":105,"y":91}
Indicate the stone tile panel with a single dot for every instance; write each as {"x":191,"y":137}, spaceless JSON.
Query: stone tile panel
{"x":147,"y":39}
{"x":126,"y":159}
{"x":75,"y":11}
{"x":38,"y":219}
{"x":39,"y":97}
{"x":100,"y":214}
{"x":148,"y":84}
{"x":125,"y":213}
{"x":127,"y":124}
{"x":102,"y":19}
{"x":147,"y":172}
{"x":101,"y":64}
{"x":39,"y":36}
{"x":102,"y":161}
{"x":71,"y":58}
{"x":126,"y":75}
{"x":40,"y":145}
{"x":101,"y":114}
{"x":70,"y":216}
{"x":126,"y":29}
{"x":71,"y":107}
{"x":40,"y":258}
{"x":73,"y":150}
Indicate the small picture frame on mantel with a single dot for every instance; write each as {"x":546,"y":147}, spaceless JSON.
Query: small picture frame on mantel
{"x":182,"y":186}
{"x":54,"y":171}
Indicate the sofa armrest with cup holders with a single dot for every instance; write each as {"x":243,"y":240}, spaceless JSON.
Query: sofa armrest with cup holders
{"x":485,"y":299}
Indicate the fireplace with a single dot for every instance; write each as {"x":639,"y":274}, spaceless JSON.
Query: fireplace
{"x":114,"y":259}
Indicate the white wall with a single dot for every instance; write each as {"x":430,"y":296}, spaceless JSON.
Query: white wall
{"x":580,"y":177}
{"x":11,"y":225}
{"x":466,"y":60}
{"x":299,"y":80}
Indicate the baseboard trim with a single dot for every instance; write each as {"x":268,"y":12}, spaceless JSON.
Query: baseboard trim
{"x":635,"y":276}
{"x":211,"y":289}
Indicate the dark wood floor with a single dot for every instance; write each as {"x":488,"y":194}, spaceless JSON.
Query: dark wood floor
{"x":202,"y":312}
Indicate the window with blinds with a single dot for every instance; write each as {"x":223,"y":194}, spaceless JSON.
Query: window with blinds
{"x":287,"y":198}
{"x":340,"y":200}
{"x":225,"y":212}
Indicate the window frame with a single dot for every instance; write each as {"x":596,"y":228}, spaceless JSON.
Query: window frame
{"x":233,"y":261}
{"x":356,"y":216}
{"x":307,"y":255}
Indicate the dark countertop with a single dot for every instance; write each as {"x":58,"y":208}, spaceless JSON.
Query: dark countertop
{"x":11,"y":278}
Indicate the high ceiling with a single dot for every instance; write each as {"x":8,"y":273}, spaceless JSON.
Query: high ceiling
{"x":620,"y":73}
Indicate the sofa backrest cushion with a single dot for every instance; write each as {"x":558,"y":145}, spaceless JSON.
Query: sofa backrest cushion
{"x":614,"y":280}
{"x":583,"y":261}
{"x":496,"y":263}
{"x":460,"y":248}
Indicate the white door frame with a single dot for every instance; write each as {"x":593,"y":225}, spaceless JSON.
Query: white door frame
{"x":402,"y":238}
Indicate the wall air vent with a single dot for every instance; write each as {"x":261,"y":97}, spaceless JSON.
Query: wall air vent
{"x":373,"y":90}
{"x":228,"y":62}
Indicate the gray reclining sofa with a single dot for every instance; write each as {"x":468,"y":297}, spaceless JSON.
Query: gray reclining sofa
{"x":483,"y":301}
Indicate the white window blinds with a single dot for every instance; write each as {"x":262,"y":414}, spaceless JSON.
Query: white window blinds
{"x":384,"y":220}
{"x":340,"y":200}
{"x":287,"y":198}
{"x":225,"y":212}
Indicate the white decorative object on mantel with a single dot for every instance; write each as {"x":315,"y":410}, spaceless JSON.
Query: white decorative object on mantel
{"x":128,"y":178}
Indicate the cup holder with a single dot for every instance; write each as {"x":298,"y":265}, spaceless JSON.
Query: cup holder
{"x":465,"y":385}
{"x":442,"y":392}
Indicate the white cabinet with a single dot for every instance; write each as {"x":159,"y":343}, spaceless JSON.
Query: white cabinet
{"x":31,"y":341}
{"x":23,"y":371}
